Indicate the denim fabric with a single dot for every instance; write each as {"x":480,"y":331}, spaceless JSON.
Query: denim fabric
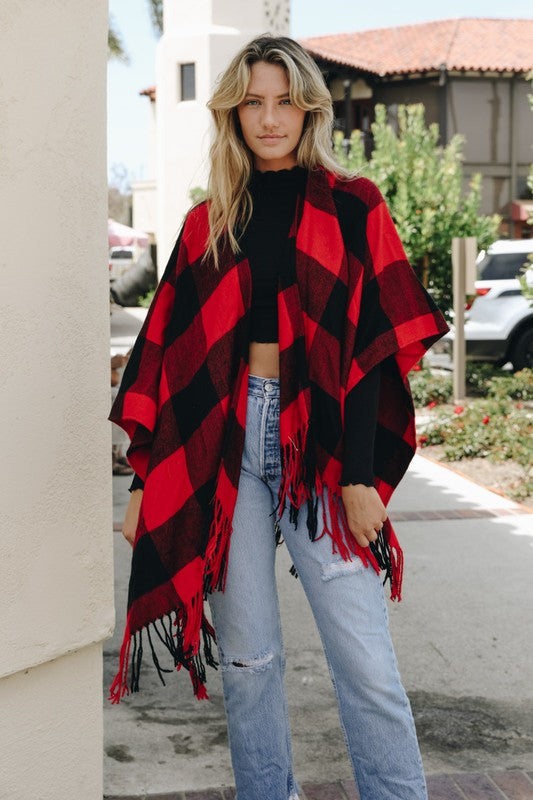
{"x":349,"y":607}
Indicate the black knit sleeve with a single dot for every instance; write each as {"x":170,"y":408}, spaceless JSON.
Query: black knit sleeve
{"x":360,"y":419}
{"x":137,"y":483}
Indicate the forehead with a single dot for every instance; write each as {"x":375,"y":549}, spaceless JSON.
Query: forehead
{"x":267,"y":79}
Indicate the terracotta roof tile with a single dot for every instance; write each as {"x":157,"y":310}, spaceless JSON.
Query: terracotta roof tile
{"x":149,"y":92}
{"x":484,"y":44}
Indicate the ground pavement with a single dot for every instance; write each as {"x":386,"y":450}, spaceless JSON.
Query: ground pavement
{"x":462,"y":635}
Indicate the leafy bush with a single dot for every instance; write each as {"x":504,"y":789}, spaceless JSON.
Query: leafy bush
{"x":422,"y":182}
{"x":482,"y":380}
{"x":518,"y":386}
{"x":146,"y":299}
{"x":478,"y":376}
{"x":496,"y":428}
{"x":427,"y":387}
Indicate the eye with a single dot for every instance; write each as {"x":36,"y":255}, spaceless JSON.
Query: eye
{"x":247,"y":103}
{"x":287,"y":100}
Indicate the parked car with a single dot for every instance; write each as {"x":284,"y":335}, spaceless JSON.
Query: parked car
{"x":136,"y":282}
{"x":501,"y":261}
{"x":498,"y":328}
{"x":121,"y":260}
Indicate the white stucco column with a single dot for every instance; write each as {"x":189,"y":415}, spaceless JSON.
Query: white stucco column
{"x":208,"y":34}
{"x":56,"y":521}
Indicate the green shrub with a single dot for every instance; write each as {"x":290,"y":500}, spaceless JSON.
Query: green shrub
{"x":496,"y":428}
{"x":146,"y":299}
{"x":482,"y":380}
{"x":518,"y":385}
{"x":478,"y":375}
{"x":427,"y":387}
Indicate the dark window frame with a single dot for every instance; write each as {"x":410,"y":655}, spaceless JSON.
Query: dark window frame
{"x":187,"y":81}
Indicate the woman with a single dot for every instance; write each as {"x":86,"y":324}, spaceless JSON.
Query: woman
{"x":271,"y":371}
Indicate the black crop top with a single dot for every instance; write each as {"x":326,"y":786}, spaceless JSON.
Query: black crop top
{"x":274,"y":195}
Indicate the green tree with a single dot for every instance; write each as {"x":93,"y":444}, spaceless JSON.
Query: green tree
{"x":422,"y":183}
{"x":156,"y":13}
{"x":115,"y":46}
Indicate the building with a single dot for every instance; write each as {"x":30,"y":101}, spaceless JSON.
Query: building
{"x":470,"y":74}
{"x":198,"y":42}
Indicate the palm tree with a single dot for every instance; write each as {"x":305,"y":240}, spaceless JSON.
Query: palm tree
{"x":156,"y":12}
{"x":115,"y":46}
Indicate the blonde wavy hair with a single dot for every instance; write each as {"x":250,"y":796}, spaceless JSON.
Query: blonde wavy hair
{"x":231,"y":160}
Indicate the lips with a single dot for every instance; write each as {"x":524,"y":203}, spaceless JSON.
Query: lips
{"x":270,"y":137}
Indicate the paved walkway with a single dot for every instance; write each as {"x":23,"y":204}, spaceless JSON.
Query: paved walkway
{"x":460,"y":635}
{"x":512,"y":785}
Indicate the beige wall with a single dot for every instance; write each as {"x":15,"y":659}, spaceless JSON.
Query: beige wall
{"x":56,"y":528}
{"x":52,"y":748}
{"x":411,"y":92}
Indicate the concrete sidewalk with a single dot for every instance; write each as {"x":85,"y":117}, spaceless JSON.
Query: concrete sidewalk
{"x":462,"y":635}
{"x":509,"y":785}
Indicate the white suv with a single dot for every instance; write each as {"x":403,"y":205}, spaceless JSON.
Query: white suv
{"x":502,"y":261}
{"x":121,"y":260}
{"x":499,"y":322}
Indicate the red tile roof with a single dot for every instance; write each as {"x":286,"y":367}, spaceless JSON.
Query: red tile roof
{"x":486,"y":44}
{"x":150,"y":92}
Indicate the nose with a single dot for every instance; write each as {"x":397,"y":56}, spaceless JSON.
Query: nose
{"x":269,"y":118}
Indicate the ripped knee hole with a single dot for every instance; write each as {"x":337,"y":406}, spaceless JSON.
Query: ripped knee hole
{"x":248,"y":664}
{"x":334,"y":569}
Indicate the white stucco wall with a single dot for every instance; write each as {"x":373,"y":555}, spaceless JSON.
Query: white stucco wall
{"x":51,"y":730}
{"x":144,"y":207}
{"x":56,"y":575}
{"x":208,"y":33}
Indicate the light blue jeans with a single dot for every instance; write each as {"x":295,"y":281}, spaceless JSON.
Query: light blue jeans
{"x":348,"y":603}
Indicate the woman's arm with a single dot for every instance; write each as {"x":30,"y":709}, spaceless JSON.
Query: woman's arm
{"x":365,"y":510}
{"x":131,"y":518}
{"x":360,"y":420}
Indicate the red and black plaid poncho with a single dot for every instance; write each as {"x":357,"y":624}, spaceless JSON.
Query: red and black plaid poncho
{"x":347,"y":300}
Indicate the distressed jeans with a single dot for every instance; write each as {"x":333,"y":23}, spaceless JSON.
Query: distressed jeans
{"x":348,"y":603}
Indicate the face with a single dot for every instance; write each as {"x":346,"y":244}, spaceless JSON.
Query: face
{"x":271,"y":125}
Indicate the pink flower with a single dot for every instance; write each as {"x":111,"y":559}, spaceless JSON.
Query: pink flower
{"x":432,"y":404}
{"x":458,"y":409}
{"x":485,"y":420}
{"x":422,"y":440}
{"x":417,"y":367}
{"x":520,"y":405}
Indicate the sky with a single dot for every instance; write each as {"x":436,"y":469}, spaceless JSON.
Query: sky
{"x":128,"y":111}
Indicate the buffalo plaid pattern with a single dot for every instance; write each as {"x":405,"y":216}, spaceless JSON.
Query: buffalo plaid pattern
{"x":348,"y":299}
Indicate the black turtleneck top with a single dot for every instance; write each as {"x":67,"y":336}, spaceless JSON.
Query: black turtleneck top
{"x":274,"y":194}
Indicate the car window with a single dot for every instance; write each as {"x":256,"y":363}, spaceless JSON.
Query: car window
{"x":501,"y":266}
{"x":122,"y":254}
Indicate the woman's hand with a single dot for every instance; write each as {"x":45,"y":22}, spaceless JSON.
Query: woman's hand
{"x":365,"y":512}
{"x":129,"y":526}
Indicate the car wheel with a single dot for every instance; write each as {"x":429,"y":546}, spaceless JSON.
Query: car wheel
{"x":522,"y":350}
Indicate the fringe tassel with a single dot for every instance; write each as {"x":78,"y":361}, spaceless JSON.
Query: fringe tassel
{"x":395,"y":555}
{"x":292,"y":487}
{"x":174,"y":643}
{"x":119,"y":687}
{"x":383,"y":554}
{"x":217,"y":549}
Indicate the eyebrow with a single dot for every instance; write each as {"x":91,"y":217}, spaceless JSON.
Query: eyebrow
{"x":251,"y":94}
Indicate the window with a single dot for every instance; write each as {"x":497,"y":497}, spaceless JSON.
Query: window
{"x":187,"y":82}
{"x":501,"y":266}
